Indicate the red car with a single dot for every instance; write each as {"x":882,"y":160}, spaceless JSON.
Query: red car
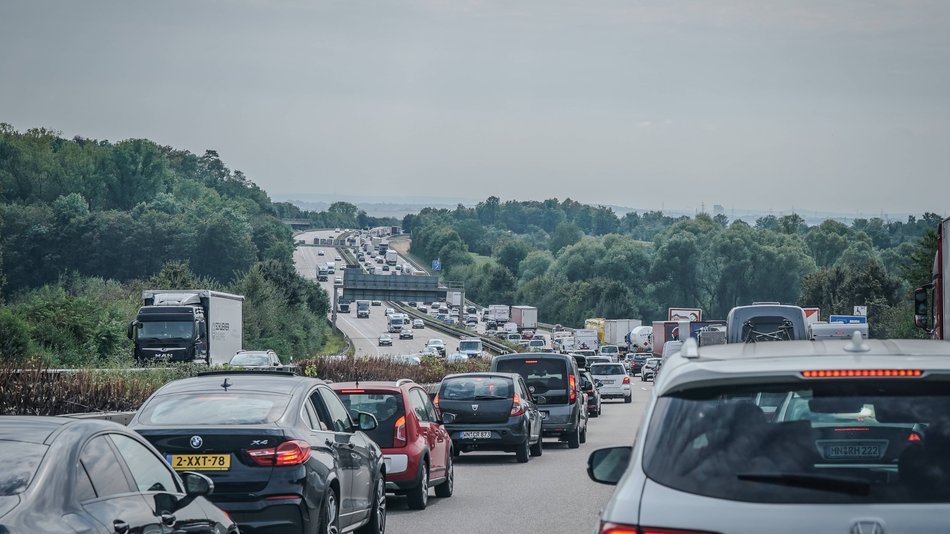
{"x":416,"y":447}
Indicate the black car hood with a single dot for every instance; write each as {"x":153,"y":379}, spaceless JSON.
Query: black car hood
{"x":7,"y":503}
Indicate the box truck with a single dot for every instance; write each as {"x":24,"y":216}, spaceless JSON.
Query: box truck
{"x":616,"y":331}
{"x":526,"y":317}
{"x":185,"y":325}
{"x":500,"y":313}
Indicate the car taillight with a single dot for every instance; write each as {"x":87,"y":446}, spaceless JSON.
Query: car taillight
{"x":863,"y":373}
{"x":626,"y":380}
{"x":616,"y":528}
{"x":436,"y":400}
{"x":294,"y":452}
{"x":516,"y":407}
{"x":913,"y":437}
{"x":399,"y":432}
{"x":572,"y":384}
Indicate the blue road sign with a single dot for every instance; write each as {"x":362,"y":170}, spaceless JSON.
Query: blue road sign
{"x":848,"y":319}
{"x":436,"y":265}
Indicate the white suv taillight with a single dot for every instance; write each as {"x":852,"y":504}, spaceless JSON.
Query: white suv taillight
{"x":616,"y":528}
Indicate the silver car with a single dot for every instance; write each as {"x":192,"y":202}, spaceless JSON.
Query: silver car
{"x":613,"y":379}
{"x":849,"y":437}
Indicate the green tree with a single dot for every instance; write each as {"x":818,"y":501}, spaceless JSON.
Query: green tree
{"x":827,"y":241}
{"x":511,"y":253}
{"x":565,"y":235}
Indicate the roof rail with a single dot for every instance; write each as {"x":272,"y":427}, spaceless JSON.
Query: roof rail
{"x":402,"y":381}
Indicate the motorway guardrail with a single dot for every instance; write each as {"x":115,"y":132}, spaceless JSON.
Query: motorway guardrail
{"x":492,"y":345}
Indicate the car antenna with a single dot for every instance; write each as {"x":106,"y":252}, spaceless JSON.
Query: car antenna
{"x":225,"y":384}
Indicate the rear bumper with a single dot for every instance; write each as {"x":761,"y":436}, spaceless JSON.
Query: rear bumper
{"x":283,"y":516}
{"x":560,"y":421}
{"x":615,"y":392}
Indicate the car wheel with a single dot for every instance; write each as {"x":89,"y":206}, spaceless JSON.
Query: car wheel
{"x":643,"y":378}
{"x":628,"y":399}
{"x":600,"y":410}
{"x":377,"y":517}
{"x":583,"y":436}
{"x":537,"y":449}
{"x":446,"y":488}
{"x":418,"y":497}
{"x":329,"y":518}
{"x":456,"y":453}
{"x":522,"y":453}
{"x":593,"y":413}
{"x":574,"y":440}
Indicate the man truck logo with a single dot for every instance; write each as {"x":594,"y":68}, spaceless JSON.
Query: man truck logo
{"x":867,"y":527}
{"x":196,"y":442}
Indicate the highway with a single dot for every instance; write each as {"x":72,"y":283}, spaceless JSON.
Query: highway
{"x":550,"y":493}
{"x":364,"y":333}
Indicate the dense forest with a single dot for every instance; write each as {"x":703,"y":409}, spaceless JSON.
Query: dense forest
{"x":575,"y":261}
{"x":85,"y":225}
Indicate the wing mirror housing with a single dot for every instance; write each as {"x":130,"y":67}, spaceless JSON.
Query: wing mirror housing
{"x":922,"y":316}
{"x":367,"y":421}
{"x":608,"y":465}
{"x":448,"y":418}
{"x":196,"y":485}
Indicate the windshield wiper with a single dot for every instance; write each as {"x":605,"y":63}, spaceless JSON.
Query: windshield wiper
{"x":854,"y":486}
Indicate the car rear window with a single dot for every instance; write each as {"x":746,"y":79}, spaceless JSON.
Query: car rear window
{"x":20,"y":462}
{"x":840,"y":441}
{"x":476,"y":387}
{"x":602,"y":369}
{"x":545,"y":377}
{"x":387,"y":407}
{"x":232,"y":408}
{"x":250,"y":359}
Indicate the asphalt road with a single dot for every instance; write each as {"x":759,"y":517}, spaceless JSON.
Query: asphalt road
{"x":364,"y":333}
{"x":550,"y":493}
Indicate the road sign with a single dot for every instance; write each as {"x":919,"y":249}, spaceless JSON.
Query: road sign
{"x":684,"y":314}
{"x":861,"y":310}
{"x":436,"y":265}
{"x":848,"y":319}
{"x":812,"y":315}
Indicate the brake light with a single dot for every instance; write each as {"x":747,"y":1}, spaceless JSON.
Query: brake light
{"x":516,"y":407}
{"x":572,"y":383}
{"x":531,"y":361}
{"x":626,"y":380}
{"x":863,"y":373}
{"x":913,"y":437}
{"x":399,"y":432}
{"x":613,"y":528}
{"x":436,"y":400}
{"x":294,"y":452}
{"x":353,"y":391}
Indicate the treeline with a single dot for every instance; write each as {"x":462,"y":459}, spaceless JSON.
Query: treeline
{"x":574,"y":261}
{"x":337,"y":215}
{"x":87,"y":224}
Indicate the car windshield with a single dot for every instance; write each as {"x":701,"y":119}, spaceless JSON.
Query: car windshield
{"x":546,"y":377}
{"x":475,"y":387}
{"x":250,"y":359}
{"x":823,"y":442}
{"x":387,"y":407}
{"x":166,"y":330}
{"x":602,"y":369}
{"x":231,"y":408}
{"x":470,"y":345}
{"x":609,"y":349}
{"x":20,"y":462}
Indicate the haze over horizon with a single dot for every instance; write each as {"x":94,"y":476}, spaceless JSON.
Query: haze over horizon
{"x":842,"y":107}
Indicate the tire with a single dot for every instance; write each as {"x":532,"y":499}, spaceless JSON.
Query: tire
{"x":456,"y":453}
{"x":537,"y":449}
{"x":643,"y":377}
{"x":418,"y":497}
{"x":595,"y":413}
{"x":522,"y":454}
{"x":628,"y":400}
{"x":377,"y":517}
{"x":583,"y":436}
{"x":600,"y":410}
{"x":329,"y":514}
{"x":446,"y":488}
{"x":574,"y":440}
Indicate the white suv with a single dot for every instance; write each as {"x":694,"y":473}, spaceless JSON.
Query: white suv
{"x":613,"y":379}
{"x":845,"y":436}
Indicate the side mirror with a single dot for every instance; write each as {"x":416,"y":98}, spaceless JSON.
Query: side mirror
{"x":608,"y":465}
{"x":367,"y":421}
{"x":598,"y":384}
{"x":448,"y":418}
{"x":130,"y":331}
{"x":196,"y":485}
{"x":922,"y":308}
{"x":202,"y":330}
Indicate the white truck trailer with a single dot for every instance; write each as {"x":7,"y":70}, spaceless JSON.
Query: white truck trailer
{"x":526,"y":317}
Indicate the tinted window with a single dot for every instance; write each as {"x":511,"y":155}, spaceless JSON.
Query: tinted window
{"x":108,"y":478}
{"x":828,"y":442}
{"x":236,"y":408}
{"x":476,"y":387}
{"x":607,"y":369}
{"x":339,"y":418}
{"x":251,"y":359}
{"x":20,"y":462}
{"x":84,"y":489}
{"x":546,"y":377}
{"x":149,"y":472}
{"x":387,"y":407}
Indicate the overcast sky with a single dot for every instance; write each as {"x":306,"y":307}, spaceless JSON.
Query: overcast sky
{"x":826,"y":105}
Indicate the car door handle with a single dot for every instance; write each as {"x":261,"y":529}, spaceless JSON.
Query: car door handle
{"x":120,"y":526}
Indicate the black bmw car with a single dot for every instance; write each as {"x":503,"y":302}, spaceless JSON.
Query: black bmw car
{"x":85,"y":475}
{"x":283,"y":451}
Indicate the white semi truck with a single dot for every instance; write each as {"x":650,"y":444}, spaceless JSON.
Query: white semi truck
{"x":186,"y":325}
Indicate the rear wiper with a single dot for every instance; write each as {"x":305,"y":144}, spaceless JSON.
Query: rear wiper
{"x":854,"y":486}
{"x":489,"y":397}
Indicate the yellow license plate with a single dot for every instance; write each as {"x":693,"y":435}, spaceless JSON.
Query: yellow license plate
{"x":200,"y":462}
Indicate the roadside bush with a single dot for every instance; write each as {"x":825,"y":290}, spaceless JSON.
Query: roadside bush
{"x":430,"y":371}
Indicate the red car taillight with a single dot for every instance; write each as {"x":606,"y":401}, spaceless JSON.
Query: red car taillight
{"x":626,"y":380}
{"x":516,"y":407}
{"x":399,"y":432}
{"x":572,"y":384}
{"x":616,"y":528}
{"x":294,"y":452}
{"x":436,"y":400}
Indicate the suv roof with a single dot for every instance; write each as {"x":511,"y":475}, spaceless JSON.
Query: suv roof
{"x":784,"y":360}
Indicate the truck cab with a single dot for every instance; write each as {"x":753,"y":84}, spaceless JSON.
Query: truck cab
{"x":323,"y":273}
{"x":362,"y":309}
